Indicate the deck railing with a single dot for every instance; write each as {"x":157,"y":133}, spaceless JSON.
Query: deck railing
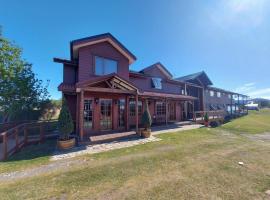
{"x":15,"y":138}
{"x":212,"y":115}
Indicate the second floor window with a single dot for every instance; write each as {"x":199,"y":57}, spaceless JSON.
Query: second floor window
{"x":105,"y":66}
{"x":218,"y":94}
{"x":156,"y":83}
{"x":212,"y":93}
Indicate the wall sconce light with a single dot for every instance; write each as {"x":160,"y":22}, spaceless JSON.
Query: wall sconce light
{"x":96,"y":100}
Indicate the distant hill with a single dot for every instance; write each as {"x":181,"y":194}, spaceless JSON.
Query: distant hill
{"x":262,"y":102}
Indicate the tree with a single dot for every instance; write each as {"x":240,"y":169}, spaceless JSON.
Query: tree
{"x":20,"y":91}
{"x":65,"y":122}
{"x":146,"y":117}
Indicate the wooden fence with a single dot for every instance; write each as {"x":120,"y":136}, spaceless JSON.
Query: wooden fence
{"x":198,"y":116}
{"x":15,"y":138}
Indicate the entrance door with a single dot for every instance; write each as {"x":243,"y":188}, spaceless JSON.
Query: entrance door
{"x":105,"y":114}
{"x":172,"y":111}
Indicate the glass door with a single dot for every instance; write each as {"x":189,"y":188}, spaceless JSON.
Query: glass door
{"x":121,"y":113}
{"x":88,"y":114}
{"x":105,"y":114}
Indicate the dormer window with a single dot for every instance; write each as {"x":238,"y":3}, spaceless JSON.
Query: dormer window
{"x":105,"y":66}
{"x":156,"y":83}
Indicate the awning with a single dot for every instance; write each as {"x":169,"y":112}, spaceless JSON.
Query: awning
{"x":166,"y":95}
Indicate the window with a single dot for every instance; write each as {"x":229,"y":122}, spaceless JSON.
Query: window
{"x":212,"y":93}
{"x":88,"y":114}
{"x":160,"y":108}
{"x":218,"y":94}
{"x":105,"y":66}
{"x":132,"y":108}
{"x":230,"y":96}
{"x":156,"y":83}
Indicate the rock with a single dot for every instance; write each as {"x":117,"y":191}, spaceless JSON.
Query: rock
{"x":267,"y":192}
{"x":241,"y":163}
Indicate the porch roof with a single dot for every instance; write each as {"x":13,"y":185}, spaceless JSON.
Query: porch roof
{"x":166,"y":95}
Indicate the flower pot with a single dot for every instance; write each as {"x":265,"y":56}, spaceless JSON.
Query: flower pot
{"x":146,"y":133}
{"x":66,"y":144}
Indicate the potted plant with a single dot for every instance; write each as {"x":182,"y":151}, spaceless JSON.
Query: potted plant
{"x":146,"y":122}
{"x":65,"y":125}
{"x":206,"y":120}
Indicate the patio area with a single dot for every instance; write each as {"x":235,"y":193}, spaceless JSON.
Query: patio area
{"x":108,"y":142}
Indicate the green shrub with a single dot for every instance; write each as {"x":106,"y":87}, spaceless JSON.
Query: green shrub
{"x":206,"y":117}
{"x":65,"y":123}
{"x":146,"y":117}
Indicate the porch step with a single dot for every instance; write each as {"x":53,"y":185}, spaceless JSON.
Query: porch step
{"x":112,"y":137}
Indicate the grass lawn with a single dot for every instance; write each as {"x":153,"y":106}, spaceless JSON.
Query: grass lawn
{"x":195,"y":164}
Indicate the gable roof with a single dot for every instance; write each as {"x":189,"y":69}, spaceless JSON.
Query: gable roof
{"x":113,"y":76}
{"x":106,"y":37}
{"x":161,"y":67}
{"x":195,"y":76}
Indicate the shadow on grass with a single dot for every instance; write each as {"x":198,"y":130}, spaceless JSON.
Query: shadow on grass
{"x":33,"y":151}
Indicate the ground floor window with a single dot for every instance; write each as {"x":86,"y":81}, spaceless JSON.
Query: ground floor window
{"x":160,"y":108}
{"x":132,"y":107}
{"x":88,"y":114}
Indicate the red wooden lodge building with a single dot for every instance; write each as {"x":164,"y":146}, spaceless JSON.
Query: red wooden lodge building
{"x":104,"y":95}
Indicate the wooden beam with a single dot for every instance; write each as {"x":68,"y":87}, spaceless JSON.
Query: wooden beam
{"x":108,"y":90}
{"x":81,"y":115}
{"x":137,"y":114}
{"x":166,"y":111}
{"x":127,"y":113}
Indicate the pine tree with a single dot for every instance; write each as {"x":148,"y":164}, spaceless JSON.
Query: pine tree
{"x":146,"y":117}
{"x":65,"y":122}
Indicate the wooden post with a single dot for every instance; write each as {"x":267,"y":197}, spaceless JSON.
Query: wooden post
{"x":81,"y":115}
{"x":137,"y":114}
{"x":127,"y":113}
{"x":166,"y":111}
{"x":77,"y":113}
{"x":5,"y":145}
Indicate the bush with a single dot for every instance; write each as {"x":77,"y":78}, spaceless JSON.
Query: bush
{"x":214,"y":124}
{"x":146,"y":117}
{"x":65,"y":123}
{"x":227,"y":119}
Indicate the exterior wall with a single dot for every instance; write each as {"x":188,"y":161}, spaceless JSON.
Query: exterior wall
{"x":71,"y":102}
{"x":106,"y":50}
{"x":69,"y":75}
{"x":145,"y":84}
{"x":214,"y":100}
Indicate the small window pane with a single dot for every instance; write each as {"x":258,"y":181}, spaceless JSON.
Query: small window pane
{"x":98,"y":66}
{"x":110,"y":66}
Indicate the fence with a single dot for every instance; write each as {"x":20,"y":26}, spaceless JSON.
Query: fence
{"x":15,"y":138}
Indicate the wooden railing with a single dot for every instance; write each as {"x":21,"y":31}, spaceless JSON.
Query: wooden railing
{"x":212,"y":115}
{"x":15,"y":138}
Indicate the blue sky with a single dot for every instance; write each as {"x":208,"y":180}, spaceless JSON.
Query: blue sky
{"x":228,"y":39}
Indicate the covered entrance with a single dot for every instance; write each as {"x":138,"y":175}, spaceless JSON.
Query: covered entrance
{"x":102,"y":104}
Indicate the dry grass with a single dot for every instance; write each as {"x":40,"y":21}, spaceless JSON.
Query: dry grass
{"x":196,"y":164}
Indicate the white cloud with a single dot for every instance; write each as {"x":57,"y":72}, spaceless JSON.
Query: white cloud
{"x":251,"y":90}
{"x":239,"y":14}
{"x":246,"y":88}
